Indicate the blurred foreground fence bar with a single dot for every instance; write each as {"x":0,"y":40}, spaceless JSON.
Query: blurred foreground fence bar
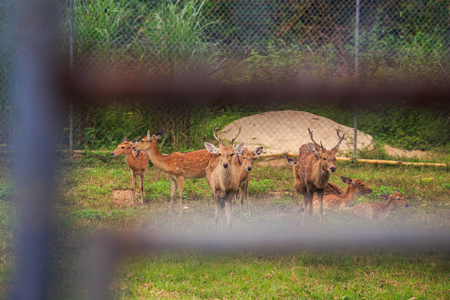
{"x":38,"y":96}
{"x":106,"y":88}
{"x":106,"y":250}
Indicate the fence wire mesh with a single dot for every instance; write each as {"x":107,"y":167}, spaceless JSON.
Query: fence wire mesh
{"x":242,"y":41}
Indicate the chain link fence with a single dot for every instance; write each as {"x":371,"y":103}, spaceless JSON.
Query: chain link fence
{"x":241,"y":41}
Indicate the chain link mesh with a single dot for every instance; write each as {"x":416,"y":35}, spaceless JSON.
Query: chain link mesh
{"x":238,"y":41}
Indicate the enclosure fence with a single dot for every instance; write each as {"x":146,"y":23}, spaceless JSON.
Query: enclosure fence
{"x":242,"y":41}
{"x":39,"y":95}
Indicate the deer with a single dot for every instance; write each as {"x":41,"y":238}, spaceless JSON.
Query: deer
{"x":334,"y":202}
{"x":178,"y":166}
{"x":371,"y":210}
{"x":331,"y":188}
{"x":313,"y":168}
{"x":137,"y":162}
{"x":223,"y":176}
{"x":247,"y":165}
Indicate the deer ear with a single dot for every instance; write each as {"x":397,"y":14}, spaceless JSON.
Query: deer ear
{"x":239,"y":148}
{"x":291,"y":161}
{"x":211,"y":148}
{"x":258,"y":151}
{"x":159,"y":134}
{"x":314,"y":149}
{"x":385,"y":197}
{"x":346,"y":180}
{"x":149,"y":136}
{"x":125,"y":139}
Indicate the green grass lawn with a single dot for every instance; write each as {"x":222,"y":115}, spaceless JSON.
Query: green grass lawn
{"x":86,"y":206}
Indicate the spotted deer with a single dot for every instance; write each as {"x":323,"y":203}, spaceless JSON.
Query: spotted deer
{"x":312,"y":172}
{"x":223,"y":175}
{"x":178,"y":166}
{"x":247,"y":165}
{"x":137,"y":162}
{"x":371,"y":210}
{"x":334,"y":202}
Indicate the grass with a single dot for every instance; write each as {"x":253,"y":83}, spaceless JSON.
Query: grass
{"x":85,"y":206}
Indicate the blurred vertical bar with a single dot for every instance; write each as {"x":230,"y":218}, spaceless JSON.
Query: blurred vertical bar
{"x":35,"y":32}
{"x":355,"y":114}
{"x":71,"y":12}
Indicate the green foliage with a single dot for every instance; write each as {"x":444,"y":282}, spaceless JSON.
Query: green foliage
{"x":261,"y":187}
{"x":173,"y":35}
{"x":100,"y":215}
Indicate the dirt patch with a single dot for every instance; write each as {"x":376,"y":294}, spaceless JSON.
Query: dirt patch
{"x":122,"y":197}
{"x":285,"y":131}
{"x":396,"y":152}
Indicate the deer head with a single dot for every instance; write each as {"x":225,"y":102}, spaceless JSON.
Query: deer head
{"x":396,"y":199}
{"x":225,"y":152}
{"x":123,"y":149}
{"x":249,"y":156}
{"x":358,"y":185}
{"x":148,"y":141}
{"x":327,"y":157}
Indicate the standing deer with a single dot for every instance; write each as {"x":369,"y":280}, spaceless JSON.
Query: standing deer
{"x":247,"y":165}
{"x":223,"y":175}
{"x":137,"y":162}
{"x":179,"y":166}
{"x":370,"y":210}
{"x":312,"y":172}
{"x":333,"y":202}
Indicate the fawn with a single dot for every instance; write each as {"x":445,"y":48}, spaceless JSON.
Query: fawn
{"x":137,"y":162}
{"x":370,"y":210}
{"x":247,"y":165}
{"x":333,"y":202}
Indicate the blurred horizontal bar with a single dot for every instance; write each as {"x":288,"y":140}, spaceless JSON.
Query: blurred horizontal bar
{"x":287,"y":240}
{"x":91,"y":88}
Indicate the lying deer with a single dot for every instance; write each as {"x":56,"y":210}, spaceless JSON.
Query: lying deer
{"x":179,"y":166}
{"x":334,"y":202}
{"x":370,"y":210}
{"x":247,"y":165}
{"x":223,"y":175}
{"x":312,"y":172}
{"x":137,"y":162}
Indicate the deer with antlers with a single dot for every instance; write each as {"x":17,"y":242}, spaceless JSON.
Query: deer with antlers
{"x":136,"y":161}
{"x":223,"y":175}
{"x":178,"y":166}
{"x":312,"y":172}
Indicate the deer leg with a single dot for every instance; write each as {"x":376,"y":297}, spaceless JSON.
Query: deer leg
{"x":133,"y":186}
{"x":308,"y":208}
{"x":228,"y":212}
{"x":172,"y":193}
{"x":320,"y":196}
{"x":142,"y":187}
{"x":180,"y":183}
{"x":245,"y":191}
{"x":219,"y":214}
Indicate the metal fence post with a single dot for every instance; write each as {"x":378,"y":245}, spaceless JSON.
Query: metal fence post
{"x":355,"y":114}
{"x":71,"y":71}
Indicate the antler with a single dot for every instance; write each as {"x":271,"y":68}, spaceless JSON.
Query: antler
{"x":215,"y":136}
{"x":232,"y":141}
{"x":341,"y":138}
{"x":311,"y":134}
